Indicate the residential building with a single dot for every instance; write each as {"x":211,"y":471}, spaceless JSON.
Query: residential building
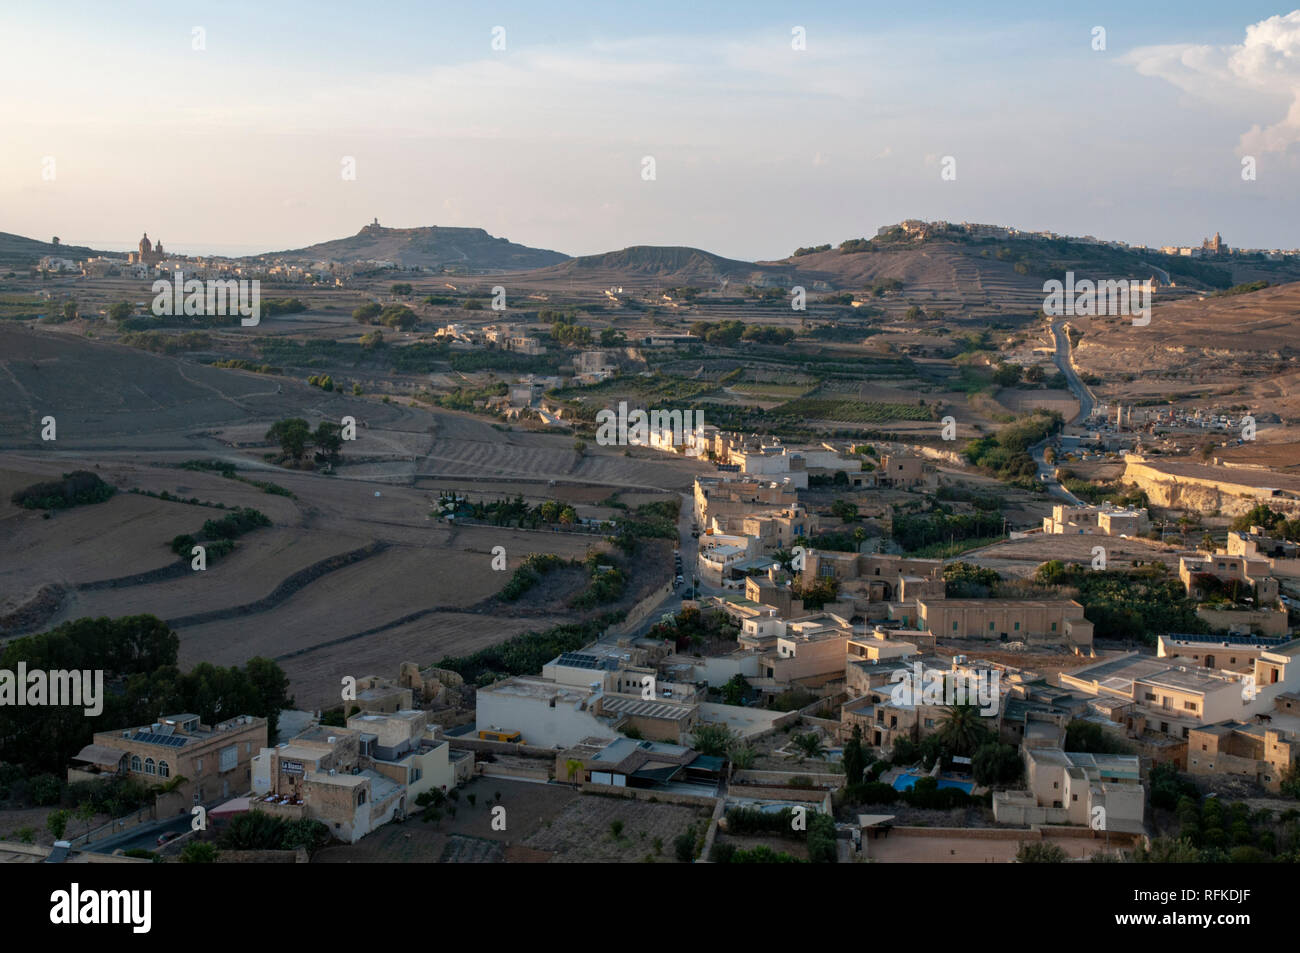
{"x":1007,"y":620}
{"x":1100,"y":791}
{"x":214,"y":760}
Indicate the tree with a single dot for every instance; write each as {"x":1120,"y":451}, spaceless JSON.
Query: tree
{"x":1041,"y":853}
{"x":1007,"y":375}
{"x":1290,"y":784}
{"x":366,"y":313}
{"x":57,"y":823}
{"x":579,"y":447}
{"x":855,"y":761}
{"x":120,"y":311}
{"x":292,"y":436}
{"x":328,"y":440}
{"x":70,"y":309}
{"x":995,"y":763}
{"x":85,"y":813}
{"x":809,"y":744}
{"x":712,"y":740}
{"x":961,"y":729}
{"x":846,"y":511}
{"x":573,"y":767}
{"x":199,"y":852}
{"x":735,"y":690}
{"x":905,"y":752}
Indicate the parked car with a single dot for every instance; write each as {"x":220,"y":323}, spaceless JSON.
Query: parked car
{"x":168,"y":835}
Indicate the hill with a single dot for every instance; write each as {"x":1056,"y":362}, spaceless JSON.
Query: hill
{"x":15,"y":250}
{"x":1243,"y":349}
{"x":468,"y":249}
{"x":659,"y":265}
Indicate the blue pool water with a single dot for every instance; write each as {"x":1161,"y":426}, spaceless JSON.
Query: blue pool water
{"x":904,"y":782}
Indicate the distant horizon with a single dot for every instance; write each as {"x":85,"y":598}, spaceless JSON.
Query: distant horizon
{"x":228,"y":250}
{"x":769,"y":128}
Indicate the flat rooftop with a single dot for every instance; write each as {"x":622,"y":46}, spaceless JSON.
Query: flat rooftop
{"x":538,"y":688}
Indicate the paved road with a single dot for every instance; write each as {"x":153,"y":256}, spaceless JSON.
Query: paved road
{"x":146,"y":835}
{"x":1062,"y":359}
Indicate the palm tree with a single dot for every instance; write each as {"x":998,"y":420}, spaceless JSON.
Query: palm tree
{"x":810,"y":744}
{"x":572,"y":766}
{"x":961,"y":729}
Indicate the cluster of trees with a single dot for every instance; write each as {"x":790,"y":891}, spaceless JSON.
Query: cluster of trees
{"x":815,"y":593}
{"x":273,"y":306}
{"x":691,"y":627}
{"x":607,"y":584}
{"x":218,"y":536}
{"x":257,"y":830}
{"x":467,"y":398}
{"x":76,"y":488}
{"x":138,"y":655}
{"x":1274,"y":522}
{"x":1212,"y":831}
{"x":818,"y":833}
{"x":513,"y":512}
{"x":571,"y":335}
{"x":648,"y":521}
{"x":393,"y":316}
{"x":763,"y":294}
{"x":160,"y":343}
{"x":811,"y":250}
{"x":1135,"y":604}
{"x":915,"y":531}
{"x":295,"y":437}
{"x":530,"y":573}
{"x":525,"y":654}
{"x":1006,"y":454}
{"x":968,"y":581}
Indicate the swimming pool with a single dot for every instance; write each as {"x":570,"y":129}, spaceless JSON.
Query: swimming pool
{"x":904,"y":782}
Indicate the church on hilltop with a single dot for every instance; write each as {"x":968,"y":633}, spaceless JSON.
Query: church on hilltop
{"x":149,"y":254}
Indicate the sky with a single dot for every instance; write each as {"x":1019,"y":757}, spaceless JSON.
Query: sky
{"x":227,"y":128}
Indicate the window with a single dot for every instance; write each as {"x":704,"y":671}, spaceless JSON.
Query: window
{"x":229,"y":757}
{"x":149,"y":767}
{"x":1056,"y":784}
{"x":135,"y":763}
{"x":361,"y":797}
{"x":929,"y":723}
{"x":163,"y":770}
{"x":1190,"y":706}
{"x":1017,"y":627}
{"x":1053,"y":626}
{"x":954,"y":625}
{"x":1074,"y":797}
{"x":198,"y":766}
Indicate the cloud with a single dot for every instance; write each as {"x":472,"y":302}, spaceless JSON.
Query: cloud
{"x":1260,"y":74}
